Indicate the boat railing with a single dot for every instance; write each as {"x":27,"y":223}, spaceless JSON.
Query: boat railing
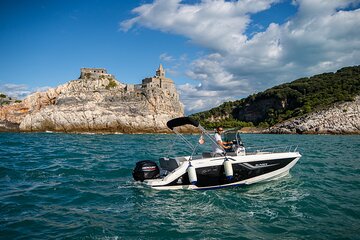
{"x":271,"y":149}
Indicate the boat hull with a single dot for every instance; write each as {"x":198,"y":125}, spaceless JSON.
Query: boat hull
{"x":210,"y":172}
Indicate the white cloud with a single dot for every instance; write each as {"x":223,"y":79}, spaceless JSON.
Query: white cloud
{"x":195,"y":98}
{"x":19,"y":91}
{"x":165,"y":57}
{"x":212,"y":75}
{"x":41,"y":89}
{"x":218,"y":25}
{"x":174,"y":65}
{"x":323,"y":36}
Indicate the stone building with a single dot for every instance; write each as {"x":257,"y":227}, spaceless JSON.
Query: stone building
{"x":100,"y":77}
{"x":93,"y":72}
{"x":158,"y":81}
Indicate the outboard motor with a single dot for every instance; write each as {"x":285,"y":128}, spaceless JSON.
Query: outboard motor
{"x":146,"y":170}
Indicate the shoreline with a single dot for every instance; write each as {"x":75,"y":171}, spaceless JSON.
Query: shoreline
{"x":246,"y":131}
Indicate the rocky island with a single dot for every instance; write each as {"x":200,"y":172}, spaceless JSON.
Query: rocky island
{"x":97,"y":102}
{"x":327,"y":103}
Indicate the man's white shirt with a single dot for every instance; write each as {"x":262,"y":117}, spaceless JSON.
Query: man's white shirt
{"x":215,"y":147}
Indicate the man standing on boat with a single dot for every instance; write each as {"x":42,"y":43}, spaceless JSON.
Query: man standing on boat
{"x":219,"y":148}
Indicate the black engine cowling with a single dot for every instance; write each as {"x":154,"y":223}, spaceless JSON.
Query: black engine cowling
{"x":146,"y":170}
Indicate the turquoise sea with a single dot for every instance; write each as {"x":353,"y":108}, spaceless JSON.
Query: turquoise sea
{"x":77,"y":186}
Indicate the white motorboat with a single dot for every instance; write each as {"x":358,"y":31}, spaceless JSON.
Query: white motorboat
{"x":238,"y":166}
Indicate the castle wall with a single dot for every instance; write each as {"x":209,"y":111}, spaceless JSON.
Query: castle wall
{"x":135,"y":90}
{"x":93,"y":70}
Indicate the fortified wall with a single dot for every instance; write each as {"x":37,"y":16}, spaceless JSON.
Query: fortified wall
{"x":97,"y":75}
{"x":87,"y":72}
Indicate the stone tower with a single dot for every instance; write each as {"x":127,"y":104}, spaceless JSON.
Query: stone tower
{"x":162,"y":82}
{"x":160,"y":72}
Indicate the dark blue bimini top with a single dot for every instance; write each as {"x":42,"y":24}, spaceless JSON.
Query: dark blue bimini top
{"x":181,"y":121}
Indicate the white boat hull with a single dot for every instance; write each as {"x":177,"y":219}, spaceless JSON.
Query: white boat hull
{"x":248,"y":169}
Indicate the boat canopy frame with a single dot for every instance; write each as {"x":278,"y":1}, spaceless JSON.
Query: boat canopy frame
{"x":182,"y":121}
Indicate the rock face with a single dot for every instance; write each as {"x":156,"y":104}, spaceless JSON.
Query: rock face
{"x":97,"y":102}
{"x":341,"y":118}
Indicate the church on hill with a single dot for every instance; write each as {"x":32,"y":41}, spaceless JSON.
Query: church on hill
{"x":159,"y":80}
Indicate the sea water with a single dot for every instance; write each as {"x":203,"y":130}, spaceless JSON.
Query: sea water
{"x":77,"y":186}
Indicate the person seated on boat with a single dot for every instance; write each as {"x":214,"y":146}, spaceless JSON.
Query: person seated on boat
{"x":218,"y":149}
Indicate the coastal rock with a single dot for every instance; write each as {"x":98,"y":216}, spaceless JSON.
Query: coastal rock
{"x":341,"y":118}
{"x":6,"y":126}
{"x":97,"y":102}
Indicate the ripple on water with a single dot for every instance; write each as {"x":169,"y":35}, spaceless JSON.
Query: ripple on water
{"x":80,"y":187}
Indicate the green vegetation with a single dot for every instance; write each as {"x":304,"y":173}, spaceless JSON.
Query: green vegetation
{"x":111,"y":84}
{"x":286,"y":101}
{"x":6,"y":100}
{"x":226,"y":123}
{"x":87,"y":75}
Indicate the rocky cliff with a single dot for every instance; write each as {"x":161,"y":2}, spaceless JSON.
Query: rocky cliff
{"x":341,"y":118}
{"x":96,"y":102}
{"x":300,"y":99}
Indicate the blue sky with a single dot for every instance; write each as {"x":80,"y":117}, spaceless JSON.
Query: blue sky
{"x":214,"y":50}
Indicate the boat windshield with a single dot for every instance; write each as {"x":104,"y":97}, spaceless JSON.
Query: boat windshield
{"x":232,"y":136}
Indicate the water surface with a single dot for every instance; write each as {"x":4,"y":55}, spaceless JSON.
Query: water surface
{"x":71,"y":186}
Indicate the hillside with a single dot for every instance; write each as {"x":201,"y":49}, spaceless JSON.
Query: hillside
{"x":286,"y":101}
{"x":6,"y":100}
{"x":339,"y":118}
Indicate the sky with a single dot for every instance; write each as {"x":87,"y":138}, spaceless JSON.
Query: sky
{"x":214,"y":50}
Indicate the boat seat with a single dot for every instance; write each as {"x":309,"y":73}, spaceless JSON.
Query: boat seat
{"x":169,"y":164}
{"x":207,"y":155}
{"x":211,"y":154}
